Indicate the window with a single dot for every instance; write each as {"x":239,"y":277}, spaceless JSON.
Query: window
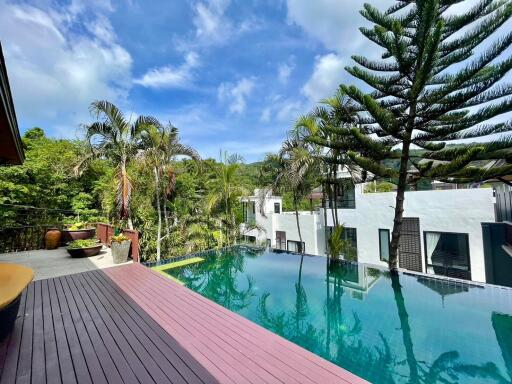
{"x":296,"y":246}
{"x":269,"y":243}
{"x":345,"y":196}
{"x":253,"y":208}
{"x":384,"y":244}
{"x":277,"y":208}
{"x":349,"y":236}
{"x":250,"y":239}
{"x":281,"y":240}
{"x":447,"y":254}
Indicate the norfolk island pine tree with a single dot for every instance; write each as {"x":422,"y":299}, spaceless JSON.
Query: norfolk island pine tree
{"x":431,"y":88}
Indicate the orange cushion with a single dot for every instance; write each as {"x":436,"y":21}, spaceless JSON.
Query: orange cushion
{"x":14,"y":279}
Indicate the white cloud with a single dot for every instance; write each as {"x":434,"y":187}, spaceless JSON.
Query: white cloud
{"x":55,"y":76}
{"x":284,"y":71}
{"x":236,"y":94}
{"x":283,"y":110}
{"x":266,"y":114}
{"x":209,"y":20}
{"x":290,"y":110}
{"x":334,"y":23}
{"x":171,"y":77}
{"x":327,"y":75}
{"x":213,"y":27}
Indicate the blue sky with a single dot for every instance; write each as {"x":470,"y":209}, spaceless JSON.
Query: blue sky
{"x":231,"y":75}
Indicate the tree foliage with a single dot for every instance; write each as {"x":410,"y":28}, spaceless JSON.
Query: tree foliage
{"x":440,"y":80}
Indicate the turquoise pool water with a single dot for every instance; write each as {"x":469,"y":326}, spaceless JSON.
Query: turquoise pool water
{"x":412,"y":329}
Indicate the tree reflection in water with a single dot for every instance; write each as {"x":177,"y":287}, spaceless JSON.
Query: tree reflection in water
{"x":219,"y":280}
{"x":339,"y":340}
{"x":336,"y":340}
{"x":446,"y":368}
{"x":333,"y":324}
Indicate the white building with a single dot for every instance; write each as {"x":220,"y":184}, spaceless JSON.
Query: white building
{"x":441,"y":234}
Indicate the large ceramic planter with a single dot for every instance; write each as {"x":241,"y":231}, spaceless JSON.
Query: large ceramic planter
{"x":52,"y":238}
{"x":120,"y":251}
{"x":85,"y":252}
{"x":69,"y":235}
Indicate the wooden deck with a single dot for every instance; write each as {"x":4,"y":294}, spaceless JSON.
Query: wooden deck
{"x":129,"y":324}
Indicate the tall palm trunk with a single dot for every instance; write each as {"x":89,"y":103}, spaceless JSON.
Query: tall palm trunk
{"x":295,"y":206}
{"x":159,"y":228}
{"x":324,"y":197}
{"x":166,"y":218}
{"x":124,"y":194}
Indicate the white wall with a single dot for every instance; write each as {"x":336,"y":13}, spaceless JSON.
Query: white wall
{"x":460,"y":211}
{"x":308,"y":227}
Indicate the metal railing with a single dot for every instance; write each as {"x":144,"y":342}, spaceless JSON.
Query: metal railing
{"x":23,"y":238}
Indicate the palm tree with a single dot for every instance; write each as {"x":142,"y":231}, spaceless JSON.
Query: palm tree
{"x":298,"y":174}
{"x":118,"y":140}
{"x":224,"y":195}
{"x":326,"y":130}
{"x":162,"y":146}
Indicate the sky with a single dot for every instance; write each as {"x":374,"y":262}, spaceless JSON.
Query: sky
{"x":231,"y":75}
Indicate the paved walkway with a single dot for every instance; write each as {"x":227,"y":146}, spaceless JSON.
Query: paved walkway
{"x":53,"y":263}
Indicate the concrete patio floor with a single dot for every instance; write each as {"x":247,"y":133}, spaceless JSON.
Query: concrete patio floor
{"x":57,"y":262}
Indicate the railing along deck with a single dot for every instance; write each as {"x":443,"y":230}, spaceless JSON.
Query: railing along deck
{"x":23,"y":238}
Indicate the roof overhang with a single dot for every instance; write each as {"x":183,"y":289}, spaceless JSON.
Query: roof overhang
{"x":11,"y":147}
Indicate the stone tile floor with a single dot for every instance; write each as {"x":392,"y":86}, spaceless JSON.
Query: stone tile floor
{"x":57,"y":262}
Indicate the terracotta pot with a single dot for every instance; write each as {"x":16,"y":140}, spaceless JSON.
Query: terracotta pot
{"x":85,"y":252}
{"x":120,"y":251}
{"x":79,"y":234}
{"x":52,"y":238}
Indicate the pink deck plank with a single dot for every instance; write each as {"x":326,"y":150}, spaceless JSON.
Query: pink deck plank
{"x":232,"y":348}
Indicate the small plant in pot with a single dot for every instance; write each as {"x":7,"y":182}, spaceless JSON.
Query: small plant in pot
{"x":78,"y":231}
{"x":120,"y":246}
{"x":84,"y":248}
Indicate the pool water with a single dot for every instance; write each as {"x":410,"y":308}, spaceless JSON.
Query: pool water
{"x":410,"y":329}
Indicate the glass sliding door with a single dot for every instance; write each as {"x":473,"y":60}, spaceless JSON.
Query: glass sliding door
{"x":447,"y":254}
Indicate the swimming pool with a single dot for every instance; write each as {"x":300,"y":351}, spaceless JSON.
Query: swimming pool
{"x":414,"y":329}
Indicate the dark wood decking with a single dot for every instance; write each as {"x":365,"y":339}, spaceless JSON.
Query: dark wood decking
{"x":83,"y":329}
{"x":131,"y":325}
{"x":232,"y":348}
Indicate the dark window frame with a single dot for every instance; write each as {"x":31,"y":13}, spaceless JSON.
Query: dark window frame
{"x":278,"y":210}
{"x":303,"y":250}
{"x":427,"y":265}
{"x":352,"y":237}
{"x":380,"y":243}
{"x":250,"y":239}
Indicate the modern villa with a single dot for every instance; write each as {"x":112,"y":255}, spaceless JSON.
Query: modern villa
{"x":176,"y":276}
{"x":444,"y":232}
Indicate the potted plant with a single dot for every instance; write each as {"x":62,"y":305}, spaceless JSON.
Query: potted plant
{"x":78,"y":231}
{"x":120,"y":246}
{"x":84,"y":248}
